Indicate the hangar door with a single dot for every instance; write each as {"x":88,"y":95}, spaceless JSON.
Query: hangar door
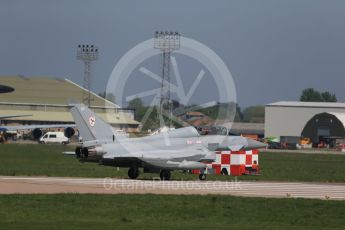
{"x":324,"y":125}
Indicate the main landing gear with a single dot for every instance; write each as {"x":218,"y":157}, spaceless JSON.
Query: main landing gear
{"x":202,"y":176}
{"x":133,"y":173}
{"x":165,"y":175}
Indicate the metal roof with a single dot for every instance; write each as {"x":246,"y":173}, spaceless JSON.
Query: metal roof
{"x":56,"y":116}
{"x":47,"y":99}
{"x":339,"y":116}
{"x":43,"y":90}
{"x":307,"y":104}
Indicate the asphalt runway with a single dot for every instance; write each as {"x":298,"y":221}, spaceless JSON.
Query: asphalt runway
{"x":54,"y":185}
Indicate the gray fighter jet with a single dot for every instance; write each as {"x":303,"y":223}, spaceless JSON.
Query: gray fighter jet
{"x":179,"y":149}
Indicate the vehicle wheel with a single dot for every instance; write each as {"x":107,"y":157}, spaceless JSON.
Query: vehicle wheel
{"x":224,"y":172}
{"x":133,"y":173}
{"x":202,"y":177}
{"x":165,"y":175}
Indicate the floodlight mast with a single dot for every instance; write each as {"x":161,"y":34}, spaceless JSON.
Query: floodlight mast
{"x":87,"y":54}
{"x":167,"y":42}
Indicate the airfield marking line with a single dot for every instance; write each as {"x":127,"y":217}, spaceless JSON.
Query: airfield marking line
{"x":11,"y":185}
{"x":100,"y":180}
{"x":46,"y":184}
{"x":214,"y":184}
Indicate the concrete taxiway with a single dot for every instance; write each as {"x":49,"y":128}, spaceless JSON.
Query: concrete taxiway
{"x":54,"y":185}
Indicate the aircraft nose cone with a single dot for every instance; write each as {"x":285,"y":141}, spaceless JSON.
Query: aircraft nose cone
{"x":253,"y":144}
{"x":5,"y":89}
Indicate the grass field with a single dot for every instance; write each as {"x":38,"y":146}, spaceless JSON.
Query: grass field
{"x":71,"y":211}
{"x":47,"y":160}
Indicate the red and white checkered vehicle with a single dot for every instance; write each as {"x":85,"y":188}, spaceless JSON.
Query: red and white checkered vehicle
{"x":234,"y":163}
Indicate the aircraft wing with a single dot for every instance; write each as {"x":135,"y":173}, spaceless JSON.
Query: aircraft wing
{"x":174,"y":164}
{"x":181,"y":159}
{"x":23,"y":127}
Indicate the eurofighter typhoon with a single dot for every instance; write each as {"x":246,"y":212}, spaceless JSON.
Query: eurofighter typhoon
{"x":179,"y":149}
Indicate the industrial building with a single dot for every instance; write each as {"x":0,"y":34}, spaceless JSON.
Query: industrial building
{"x":315,"y":120}
{"x":47,"y":101}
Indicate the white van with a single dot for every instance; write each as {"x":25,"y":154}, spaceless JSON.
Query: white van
{"x":54,"y":137}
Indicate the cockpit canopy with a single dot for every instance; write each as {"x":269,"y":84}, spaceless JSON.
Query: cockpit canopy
{"x":213,"y":130}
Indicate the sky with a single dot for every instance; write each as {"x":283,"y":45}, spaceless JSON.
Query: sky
{"x":273,"y":48}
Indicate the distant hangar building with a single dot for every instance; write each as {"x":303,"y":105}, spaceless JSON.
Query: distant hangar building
{"x":307,"y":119}
{"x":47,"y":99}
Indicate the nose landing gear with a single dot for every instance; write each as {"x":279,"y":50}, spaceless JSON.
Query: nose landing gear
{"x":165,"y":175}
{"x":202,"y":176}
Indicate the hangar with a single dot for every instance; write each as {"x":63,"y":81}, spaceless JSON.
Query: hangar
{"x":47,"y":99}
{"x":308,"y":119}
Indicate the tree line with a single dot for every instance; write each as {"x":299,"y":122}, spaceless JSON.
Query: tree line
{"x":252,"y":114}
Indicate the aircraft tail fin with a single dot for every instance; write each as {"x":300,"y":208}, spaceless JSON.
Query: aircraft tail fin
{"x":91,"y":127}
